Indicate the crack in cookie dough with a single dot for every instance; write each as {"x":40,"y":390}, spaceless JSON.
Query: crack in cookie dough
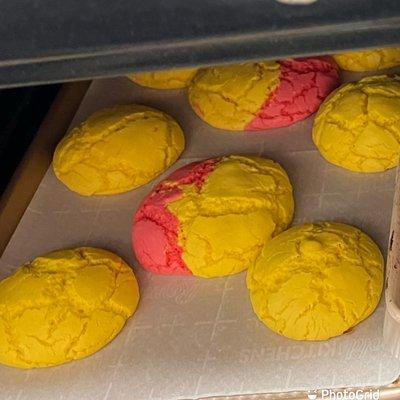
{"x":229,"y":97}
{"x":215,"y":216}
{"x":64,"y":306}
{"x":169,"y":79}
{"x":155,"y":228}
{"x":358,"y":126}
{"x":369,"y":60}
{"x":117,"y":149}
{"x":316,"y":281}
{"x":304,"y":84}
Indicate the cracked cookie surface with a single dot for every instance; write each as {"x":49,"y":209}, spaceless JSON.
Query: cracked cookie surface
{"x":229,"y":97}
{"x":211,"y":218}
{"x":316,"y":281}
{"x":261,"y":95}
{"x":117,"y":149}
{"x":168,"y":79}
{"x":304,"y":84}
{"x":369,"y":60}
{"x":64,"y":306}
{"x":358,"y":126}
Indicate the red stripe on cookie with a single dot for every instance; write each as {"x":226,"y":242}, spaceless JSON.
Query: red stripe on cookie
{"x":155,"y":228}
{"x":305,"y":83}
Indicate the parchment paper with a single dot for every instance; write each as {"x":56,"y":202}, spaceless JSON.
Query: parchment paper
{"x":192,"y":337}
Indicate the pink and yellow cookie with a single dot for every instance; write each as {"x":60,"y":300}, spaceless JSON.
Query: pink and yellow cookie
{"x":262,"y":95}
{"x":212,"y":218}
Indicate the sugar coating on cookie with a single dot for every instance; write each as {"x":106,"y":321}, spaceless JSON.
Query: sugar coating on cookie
{"x":358,"y":126}
{"x":117,"y":149}
{"x":64,"y":306}
{"x":369,"y":60}
{"x":211,"y":218}
{"x":316,"y":281}
{"x":262,"y":95}
{"x":168,"y":79}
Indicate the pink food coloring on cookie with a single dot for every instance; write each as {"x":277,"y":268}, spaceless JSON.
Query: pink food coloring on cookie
{"x":304,"y":84}
{"x":155,"y":228}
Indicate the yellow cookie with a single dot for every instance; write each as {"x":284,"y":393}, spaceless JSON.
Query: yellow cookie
{"x":117,"y":149}
{"x":369,"y":60}
{"x":63,"y":306}
{"x":169,"y":79}
{"x":358,"y":125}
{"x":316,"y":281}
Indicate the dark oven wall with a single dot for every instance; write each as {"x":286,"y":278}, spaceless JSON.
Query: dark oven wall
{"x":22,"y":111}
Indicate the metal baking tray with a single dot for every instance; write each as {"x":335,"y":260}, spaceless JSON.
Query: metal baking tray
{"x":194,"y":338}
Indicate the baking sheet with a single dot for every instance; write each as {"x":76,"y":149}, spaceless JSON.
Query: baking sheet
{"x":193,"y":337}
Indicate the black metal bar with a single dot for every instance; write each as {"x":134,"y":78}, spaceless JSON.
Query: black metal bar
{"x":46,"y":41}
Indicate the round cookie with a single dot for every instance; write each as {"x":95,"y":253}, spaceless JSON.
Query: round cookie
{"x":211,"y":218}
{"x":117,"y":149}
{"x":168,"y":79}
{"x":358,"y":126}
{"x":64,"y":306}
{"x":316,"y":281}
{"x":369,"y":60}
{"x":262,"y":95}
